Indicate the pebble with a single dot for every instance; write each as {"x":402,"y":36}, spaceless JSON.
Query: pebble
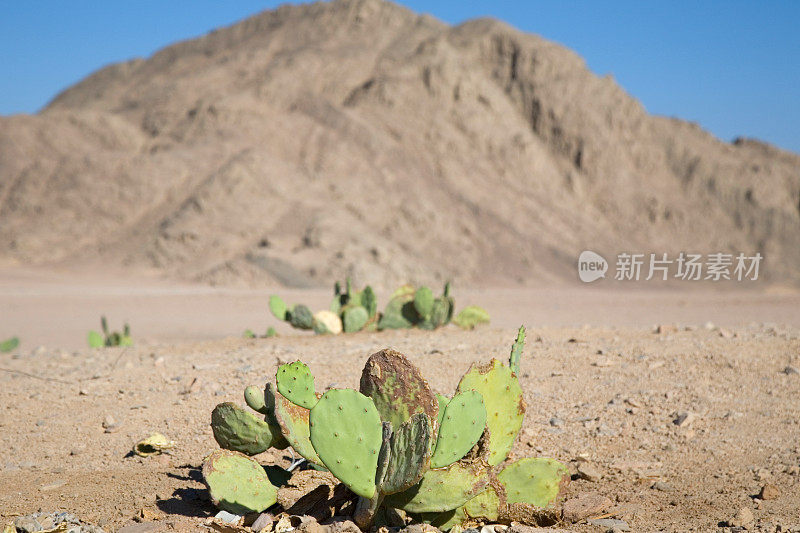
{"x":556,"y":422}
{"x":685,"y":419}
{"x":584,"y":506}
{"x":769,"y":492}
{"x":743,"y":518}
{"x":110,"y":424}
{"x":663,"y":486}
{"x":263,"y":520}
{"x":228,"y":518}
{"x":589,"y":472}
{"x":27,"y":524}
{"x":789,"y":370}
{"x":610,"y":524}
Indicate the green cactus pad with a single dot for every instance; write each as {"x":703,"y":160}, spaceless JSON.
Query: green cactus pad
{"x":461,"y":427}
{"x":505,"y":406}
{"x":485,"y":507}
{"x":293,"y":421}
{"x":254,"y":397}
{"x":278,"y":307}
{"x":443,"y":489}
{"x":301,"y":317}
{"x":239,"y":430}
{"x":516,"y":350}
{"x":237,"y":483}
{"x":423,"y":302}
{"x":96,"y":340}
{"x":354,"y":318}
{"x":400,"y":312}
{"x":410,"y":454}
{"x":440,"y":313}
{"x":397,"y":388}
{"x":9,"y":344}
{"x":296,"y":384}
{"x":442,"y":402}
{"x":471,"y":316}
{"x":535,"y":481}
{"x":369,"y":301}
{"x":346,"y":432}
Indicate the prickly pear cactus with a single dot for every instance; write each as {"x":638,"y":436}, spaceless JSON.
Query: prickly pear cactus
{"x":397,"y":388}
{"x":354,"y":318}
{"x":346,"y":432}
{"x":278,"y":308}
{"x":505,"y":406}
{"x":400,"y":312}
{"x":423,"y":303}
{"x":410,"y":454}
{"x":254,"y":398}
{"x":301,"y":317}
{"x":462,"y":425}
{"x":471,"y":316}
{"x":293,"y":421}
{"x":369,"y":301}
{"x":239,"y":430}
{"x":535,"y":481}
{"x":237,"y":483}
{"x":296,"y":384}
{"x":327,"y":322}
{"x":516,"y":350}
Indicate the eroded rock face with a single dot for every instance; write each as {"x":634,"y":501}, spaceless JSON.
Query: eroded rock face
{"x":197,"y":163}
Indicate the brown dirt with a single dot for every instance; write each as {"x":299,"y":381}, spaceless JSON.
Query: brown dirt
{"x":616,"y":389}
{"x":356,"y":137}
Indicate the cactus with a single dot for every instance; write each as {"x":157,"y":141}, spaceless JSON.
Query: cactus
{"x":110,"y":338}
{"x":346,"y":432}
{"x":505,"y":406}
{"x":279,"y":308}
{"x":237,"y":483}
{"x":354,"y":318}
{"x":296,"y":384}
{"x":369,"y":301}
{"x":423,"y":303}
{"x":9,"y":345}
{"x":397,"y":388}
{"x":460,"y":428}
{"x":327,"y":322}
{"x":301,"y":317}
{"x":238,"y":430}
{"x":396,"y":444}
{"x":471,"y":316}
{"x":516,"y":350}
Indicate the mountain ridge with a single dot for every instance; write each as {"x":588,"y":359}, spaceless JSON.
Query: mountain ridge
{"x":358,"y":138}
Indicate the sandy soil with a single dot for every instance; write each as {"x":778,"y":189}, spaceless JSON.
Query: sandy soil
{"x":609,"y":393}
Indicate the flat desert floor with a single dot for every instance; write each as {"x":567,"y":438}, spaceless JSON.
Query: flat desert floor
{"x":683,"y":427}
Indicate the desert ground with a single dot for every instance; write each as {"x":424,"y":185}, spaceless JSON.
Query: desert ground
{"x":603,"y":388}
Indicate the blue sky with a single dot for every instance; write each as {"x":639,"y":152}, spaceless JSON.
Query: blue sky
{"x":733,"y":66}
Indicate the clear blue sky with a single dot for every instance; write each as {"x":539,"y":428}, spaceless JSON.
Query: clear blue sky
{"x":733,"y":66}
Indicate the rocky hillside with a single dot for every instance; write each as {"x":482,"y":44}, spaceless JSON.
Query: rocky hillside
{"x":356,"y":137}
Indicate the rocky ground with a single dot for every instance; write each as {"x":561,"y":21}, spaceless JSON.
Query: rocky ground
{"x":687,"y":429}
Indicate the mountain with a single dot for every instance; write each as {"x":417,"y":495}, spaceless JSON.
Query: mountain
{"x":355,"y":137}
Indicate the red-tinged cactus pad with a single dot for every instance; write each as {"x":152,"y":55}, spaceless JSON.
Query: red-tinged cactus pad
{"x":296,"y":384}
{"x":293,"y":421}
{"x":462,"y":425}
{"x":347,"y":433}
{"x":237,"y":483}
{"x":535,"y":481}
{"x":397,"y":388}
{"x":505,"y":406}
{"x":239,"y":430}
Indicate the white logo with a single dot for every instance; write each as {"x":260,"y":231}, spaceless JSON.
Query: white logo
{"x":591,"y":266}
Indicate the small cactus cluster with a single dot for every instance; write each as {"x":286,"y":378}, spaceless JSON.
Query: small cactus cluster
{"x":9,"y":345}
{"x":393,"y":443}
{"x":352,"y":311}
{"x":110,"y":338}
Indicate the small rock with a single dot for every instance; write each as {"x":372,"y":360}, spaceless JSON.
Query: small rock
{"x":769,"y":492}
{"x":663,"y":486}
{"x":743,"y":518}
{"x":141,"y":527}
{"x":793,"y":470}
{"x":556,"y":422}
{"x":685,"y":419}
{"x":589,"y":472}
{"x":726,"y":333}
{"x":228,"y":518}
{"x":263,"y":521}
{"x":762,"y":474}
{"x":610,"y":524}
{"x":666,"y":328}
{"x":709,"y":325}
{"x":110,"y":424}
{"x":584,"y":505}
{"x":789,"y":370}
{"x":27,"y":524}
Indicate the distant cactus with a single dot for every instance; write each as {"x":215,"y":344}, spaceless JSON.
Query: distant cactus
{"x":394,"y":443}
{"x":9,"y":345}
{"x":110,"y":338}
